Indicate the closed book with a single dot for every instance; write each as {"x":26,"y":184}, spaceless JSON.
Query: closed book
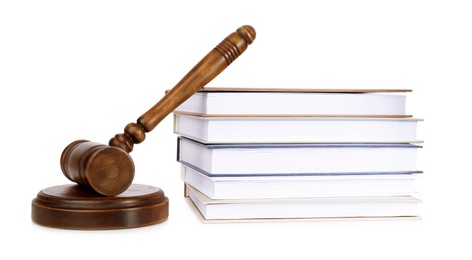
{"x":263,"y":101}
{"x":295,"y":208}
{"x":300,"y":186}
{"x":304,"y":159}
{"x":295,"y":129}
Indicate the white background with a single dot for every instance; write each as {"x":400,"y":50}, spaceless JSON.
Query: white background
{"x":84,"y":69}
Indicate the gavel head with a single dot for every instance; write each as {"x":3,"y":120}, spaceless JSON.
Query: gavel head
{"x":105,"y":169}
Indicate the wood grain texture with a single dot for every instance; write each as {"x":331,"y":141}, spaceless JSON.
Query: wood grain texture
{"x":104,"y":169}
{"x":74,"y":207}
{"x":109,"y":170}
{"x":210,"y":66}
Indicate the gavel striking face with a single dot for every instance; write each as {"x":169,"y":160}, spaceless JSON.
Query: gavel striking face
{"x":108,"y":169}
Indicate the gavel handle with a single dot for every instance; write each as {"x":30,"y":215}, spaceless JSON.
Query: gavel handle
{"x":206,"y":70}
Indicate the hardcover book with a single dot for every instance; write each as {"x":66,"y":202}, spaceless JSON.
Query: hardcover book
{"x":297,"y":186}
{"x":216,"y":160}
{"x":260,"y":101}
{"x":295,"y":129}
{"x":304,"y":208}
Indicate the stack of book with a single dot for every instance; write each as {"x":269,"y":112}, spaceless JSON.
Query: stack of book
{"x":259,"y":154}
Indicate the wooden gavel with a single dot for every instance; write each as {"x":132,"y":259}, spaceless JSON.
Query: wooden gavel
{"x":108,"y":169}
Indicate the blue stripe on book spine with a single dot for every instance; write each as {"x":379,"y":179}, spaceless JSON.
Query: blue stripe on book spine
{"x":296,"y":174}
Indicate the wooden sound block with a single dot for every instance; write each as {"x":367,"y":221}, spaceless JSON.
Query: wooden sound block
{"x":73,"y":207}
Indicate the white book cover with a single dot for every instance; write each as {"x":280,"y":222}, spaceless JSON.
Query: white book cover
{"x":333,"y":207}
{"x":299,"y":186}
{"x":279,"y":159}
{"x":240,"y":101}
{"x":296,"y":129}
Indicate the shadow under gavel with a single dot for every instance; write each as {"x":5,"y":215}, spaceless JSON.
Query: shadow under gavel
{"x":108,"y":169}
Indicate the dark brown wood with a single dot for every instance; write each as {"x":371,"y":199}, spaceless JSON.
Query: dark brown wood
{"x":74,"y":207}
{"x":207,"y":69}
{"x":108,"y":171}
{"x":105,"y":169}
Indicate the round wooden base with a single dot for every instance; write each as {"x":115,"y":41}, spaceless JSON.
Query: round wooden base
{"x":73,"y":207}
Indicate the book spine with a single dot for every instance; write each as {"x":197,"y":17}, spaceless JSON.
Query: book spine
{"x":178,"y":149}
